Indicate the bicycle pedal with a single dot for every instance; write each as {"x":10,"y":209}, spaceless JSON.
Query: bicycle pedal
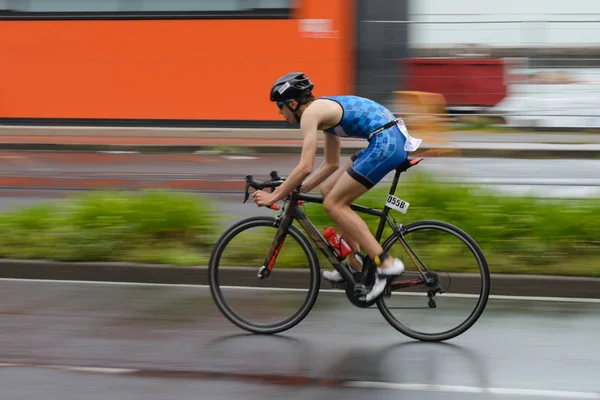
{"x":361,"y":290}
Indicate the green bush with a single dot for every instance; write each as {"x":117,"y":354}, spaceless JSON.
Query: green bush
{"x":516,"y":234}
{"x":149,"y":226}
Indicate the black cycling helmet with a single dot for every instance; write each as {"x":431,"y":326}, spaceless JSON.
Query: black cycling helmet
{"x":291,"y":86}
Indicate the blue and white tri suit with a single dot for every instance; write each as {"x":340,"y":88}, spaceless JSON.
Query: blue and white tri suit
{"x":386,"y":150}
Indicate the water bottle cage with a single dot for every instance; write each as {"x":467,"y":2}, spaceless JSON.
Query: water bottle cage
{"x":336,"y":253}
{"x":337,"y":249}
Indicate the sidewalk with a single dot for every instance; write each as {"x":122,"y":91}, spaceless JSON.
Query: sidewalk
{"x":289,"y":141}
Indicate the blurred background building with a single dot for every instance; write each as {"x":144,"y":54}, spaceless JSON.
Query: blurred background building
{"x":527,"y":63}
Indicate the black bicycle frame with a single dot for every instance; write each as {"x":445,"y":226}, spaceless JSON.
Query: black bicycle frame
{"x":295,"y":212}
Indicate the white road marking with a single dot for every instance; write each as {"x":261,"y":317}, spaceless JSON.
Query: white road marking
{"x":352,"y":384}
{"x":451,"y":295}
{"x":472,"y":389}
{"x":98,"y":370}
{"x":240,"y":157}
{"x":73,"y":368}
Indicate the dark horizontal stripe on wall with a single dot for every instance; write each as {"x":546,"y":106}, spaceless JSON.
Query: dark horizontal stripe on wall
{"x":262,"y":13}
{"x":159,"y":123}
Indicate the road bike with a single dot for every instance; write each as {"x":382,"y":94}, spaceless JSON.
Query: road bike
{"x":427,"y":247}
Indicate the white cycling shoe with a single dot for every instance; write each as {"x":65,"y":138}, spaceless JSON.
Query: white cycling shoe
{"x":335,"y":276}
{"x":382,"y":278}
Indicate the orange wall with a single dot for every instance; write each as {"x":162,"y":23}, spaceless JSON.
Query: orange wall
{"x":168,"y":69}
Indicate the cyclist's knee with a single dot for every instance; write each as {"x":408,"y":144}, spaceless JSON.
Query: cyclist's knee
{"x":329,"y":205}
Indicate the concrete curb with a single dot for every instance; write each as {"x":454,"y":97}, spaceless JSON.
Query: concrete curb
{"x":506,"y":285}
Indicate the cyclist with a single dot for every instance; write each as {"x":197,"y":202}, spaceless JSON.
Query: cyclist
{"x":342,"y":116}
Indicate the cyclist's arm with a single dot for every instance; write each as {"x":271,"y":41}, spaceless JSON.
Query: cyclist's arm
{"x":329,"y":165}
{"x":308,"y":127}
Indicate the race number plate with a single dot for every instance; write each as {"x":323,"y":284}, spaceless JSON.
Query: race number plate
{"x":397,"y":204}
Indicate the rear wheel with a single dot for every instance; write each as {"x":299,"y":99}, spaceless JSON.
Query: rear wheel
{"x":277,"y":302}
{"x":450,"y":302}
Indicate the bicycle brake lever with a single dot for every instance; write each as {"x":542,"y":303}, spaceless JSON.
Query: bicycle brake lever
{"x":246,"y":193}
{"x":249,"y":179}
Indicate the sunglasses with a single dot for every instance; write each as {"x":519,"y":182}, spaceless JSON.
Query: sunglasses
{"x":281,"y":103}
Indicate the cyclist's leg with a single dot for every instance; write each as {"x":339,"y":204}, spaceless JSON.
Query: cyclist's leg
{"x":325,"y":188}
{"x":337,"y":206}
{"x":384,"y":153}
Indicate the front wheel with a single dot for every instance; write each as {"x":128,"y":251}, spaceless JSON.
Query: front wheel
{"x":456,"y":290}
{"x":277,"y":302}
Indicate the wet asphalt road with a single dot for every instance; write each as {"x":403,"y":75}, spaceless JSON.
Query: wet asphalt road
{"x":547,"y":178}
{"x":105,"y":341}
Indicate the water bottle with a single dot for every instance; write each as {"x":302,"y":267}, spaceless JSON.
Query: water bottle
{"x":340,"y":247}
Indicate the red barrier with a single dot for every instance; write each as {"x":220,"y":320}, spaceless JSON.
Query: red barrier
{"x":463,"y":82}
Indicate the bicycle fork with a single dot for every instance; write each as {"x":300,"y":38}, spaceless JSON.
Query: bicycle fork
{"x":284,"y":223}
{"x":273,"y":252}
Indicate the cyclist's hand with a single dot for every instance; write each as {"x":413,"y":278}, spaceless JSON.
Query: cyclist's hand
{"x":262,"y":198}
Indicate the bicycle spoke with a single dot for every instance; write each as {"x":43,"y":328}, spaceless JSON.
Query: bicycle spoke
{"x":263,"y":305}
{"x":443,"y":304}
